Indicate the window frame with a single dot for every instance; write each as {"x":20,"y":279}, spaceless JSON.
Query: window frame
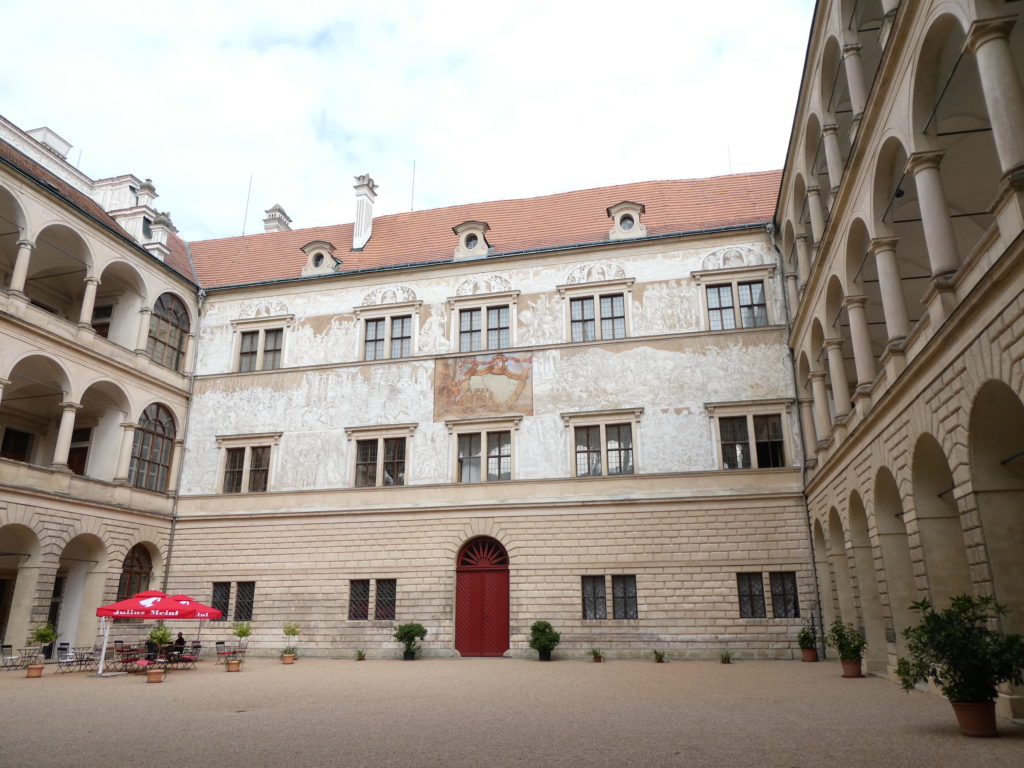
{"x":749,"y":578}
{"x":599,"y":603}
{"x":380,"y":433}
{"x":782,"y":605}
{"x":596,"y":291}
{"x":603,"y":419}
{"x":460,"y":427}
{"x":387,"y":313}
{"x":261,"y":326}
{"x":246,"y":443}
{"x":375,"y":609}
{"x":732,"y":277}
{"x":483,"y":302}
{"x":781,"y":407}
{"x":164,"y":326}
{"x":143,"y":460}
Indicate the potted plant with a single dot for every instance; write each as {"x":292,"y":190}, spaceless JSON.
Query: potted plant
{"x":45,"y":635}
{"x":596,"y":654}
{"x":360,"y":655}
{"x":958,"y":650}
{"x":725,"y":657}
{"x":849,"y":643}
{"x":290,"y":651}
{"x":807,"y":639}
{"x":543,"y":639}
{"x":659,"y":657}
{"x":410,"y":636}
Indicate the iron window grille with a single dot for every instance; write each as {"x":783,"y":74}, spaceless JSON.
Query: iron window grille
{"x":785,"y":603}
{"x":359,"y":599}
{"x":624,"y":597}
{"x":750,"y":587}
{"x":594,"y":601}
{"x":245,"y":596}
{"x":220,"y":599}
{"x":385,"y":599}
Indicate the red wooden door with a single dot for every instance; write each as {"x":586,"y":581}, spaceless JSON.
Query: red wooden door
{"x":481,"y":599}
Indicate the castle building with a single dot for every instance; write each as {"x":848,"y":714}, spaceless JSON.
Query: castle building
{"x":684,"y":415}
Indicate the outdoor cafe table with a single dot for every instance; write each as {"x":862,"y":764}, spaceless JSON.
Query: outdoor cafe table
{"x":29,"y":656}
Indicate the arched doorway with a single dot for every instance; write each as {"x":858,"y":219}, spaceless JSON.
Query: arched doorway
{"x":481,"y":598}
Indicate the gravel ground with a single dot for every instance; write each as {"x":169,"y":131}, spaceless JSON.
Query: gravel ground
{"x":491,"y":712}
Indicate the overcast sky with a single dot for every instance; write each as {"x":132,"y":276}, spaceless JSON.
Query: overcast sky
{"x":491,"y":100}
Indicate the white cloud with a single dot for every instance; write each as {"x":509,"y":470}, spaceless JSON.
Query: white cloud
{"x":491,"y":100}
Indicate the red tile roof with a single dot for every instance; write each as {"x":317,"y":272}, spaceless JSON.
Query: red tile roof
{"x":515,"y":225}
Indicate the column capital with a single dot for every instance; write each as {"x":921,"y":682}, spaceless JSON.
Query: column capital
{"x":789,"y":276}
{"x":851,"y":49}
{"x":985,"y":30}
{"x":801,"y":238}
{"x":817,"y":375}
{"x":813,"y":190}
{"x":145,"y":311}
{"x":881,"y":244}
{"x":855,"y":301}
{"x":920,"y":161}
{"x":126,"y":425}
{"x":92,"y":280}
{"x":26,"y":244}
{"x":831,"y":128}
{"x":4,"y":382}
{"x":67,"y":405}
{"x":833,"y":344}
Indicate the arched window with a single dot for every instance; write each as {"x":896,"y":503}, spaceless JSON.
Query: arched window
{"x":151,"y":450}
{"x":135,"y":573}
{"x":168,"y":332}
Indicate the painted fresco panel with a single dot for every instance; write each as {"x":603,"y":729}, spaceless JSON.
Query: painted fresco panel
{"x":484,"y":385}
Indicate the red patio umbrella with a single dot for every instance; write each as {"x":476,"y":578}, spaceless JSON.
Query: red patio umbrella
{"x":150,"y":604}
{"x":203,"y":611}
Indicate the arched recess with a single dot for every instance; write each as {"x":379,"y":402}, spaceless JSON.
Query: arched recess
{"x":814,"y":157}
{"x":897,"y":564}
{"x":96,"y":440}
{"x":119,"y":297}
{"x":30,"y":410}
{"x":152,"y":448}
{"x":938,"y":523}
{"x":862,"y":280}
{"x":996,"y":440}
{"x":835,"y":96}
{"x":789,"y":251}
{"x":867,"y":585}
{"x":12,"y":229}
{"x":19,"y":577}
{"x":820,"y":363}
{"x":840,"y":566}
{"x":838,"y":330}
{"x":862,"y":22}
{"x":482,"y":598}
{"x":78,"y":590}
{"x":826,"y":587}
{"x":169,"y":326}
{"x":897,"y":224}
{"x":950,"y":116}
{"x":57,"y":269}
{"x":137,"y":569}
{"x":802,"y":209}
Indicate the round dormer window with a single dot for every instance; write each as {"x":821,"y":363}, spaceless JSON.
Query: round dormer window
{"x":626,"y":222}
{"x":318,"y":260}
{"x":471,"y":241}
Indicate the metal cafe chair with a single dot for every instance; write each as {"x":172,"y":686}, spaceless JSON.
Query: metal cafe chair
{"x":223,"y":653}
{"x":67,"y":659}
{"x":8,"y":658}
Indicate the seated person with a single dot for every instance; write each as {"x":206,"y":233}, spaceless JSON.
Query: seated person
{"x":179,"y":644}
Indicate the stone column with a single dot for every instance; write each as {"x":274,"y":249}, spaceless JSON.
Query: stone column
{"x":990,"y":42}
{"x":817,"y":217}
{"x":124,"y":457}
{"x":807,"y":425}
{"x":822,"y":420}
{"x":143,"y":337}
{"x":67,"y":426}
{"x":894,"y":303}
{"x":863,"y":358}
{"x":833,"y":157}
{"x":21,"y":266}
{"x":172,"y":469}
{"x":88,"y":301}
{"x":855,"y":78}
{"x":837,"y":372}
{"x":188,"y":357}
{"x":3,"y":383}
{"x":803,"y":259}
{"x":938,"y":226}
{"x":792,"y":293}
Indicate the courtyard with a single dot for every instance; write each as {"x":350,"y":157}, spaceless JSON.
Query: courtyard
{"x":493,"y":712}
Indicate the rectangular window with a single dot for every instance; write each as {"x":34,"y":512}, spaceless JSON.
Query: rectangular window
{"x":613,"y":317}
{"x":394,"y":461}
{"x":753,"y":309}
{"x":366,"y":463}
{"x":101,"y":317}
{"x":401,"y":336}
{"x":15,"y":444}
{"x":582,"y":319}
{"x":735,"y":443}
{"x":750,"y":587}
{"x":380,"y":460}
{"x":594,"y":603}
{"x":624,"y":597}
{"x":470,"y":334}
{"x":259,"y":468}
{"x":249,"y":351}
{"x":469,"y":458}
{"x":359,"y":599}
{"x":588,"y":451}
{"x":384,"y":604}
{"x":260,"y":350}
{"x":785,"y":604}
{"x":620,"y":449}
{"x":768,"y":441}
{"x":498,"y":334}
{"x":273,"y":340}
{"x":720,"y":308}
{"x":601,"y":446}
{"x":374,"y":344}
{"x":247,"y":468}
{"x":234,"y":464}
{"x":221,"y":597}
{"x":499,"y":455}
{"x":245,"y":595}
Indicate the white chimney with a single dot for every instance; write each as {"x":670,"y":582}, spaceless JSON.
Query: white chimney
{"x":366,"y":193}
{"x":277,"y":220}
{"x":49,"y":139}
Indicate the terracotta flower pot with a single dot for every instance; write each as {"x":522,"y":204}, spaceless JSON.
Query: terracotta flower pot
{"x":598,"y":659}
{"x":809,"y":654}
{"x":234,"y":665}
{"x":154,"y":675}
{"x":34,"y":670}
{"x":287,"y":658}
{"x":976,"y":718}
{"x":851,"y":669}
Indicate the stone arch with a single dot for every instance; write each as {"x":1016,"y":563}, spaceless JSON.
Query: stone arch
{"x":841,"y":356}
{"x":867,"y":585}
{"x":894,"y":544}
{"x":97,"y":442}
{"x":839,"y":564}
{"x":826,"y":588}
{"x":815,"y":160}
{"x":862,"y":22}
{"x":938,"y":522}
{"x":12,"y":230}
{"x":861,"y":280}
{"x":996,"y":440}
{"x":19,"y":576}
{"x":30,"y":407}
{"x":78,"y":589}
{"x":834,"y":94}
{"x":58,"y":266}
{"x":802,"y":208}
{"x":120,"y":295}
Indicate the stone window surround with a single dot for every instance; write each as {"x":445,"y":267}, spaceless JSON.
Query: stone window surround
{"x":602,"y":418}
{"x":483,"y":301}
{"x":247,"y":441}
{"x":261,"y":324}
{"x":733,"y":276}
{"x":481,"y":426}
{"x":781,"y":407}
{"x":568,"y":292}
{"x":379,"y":432}
{"x":386,"y":312}
{"x":609,"y":597}
{"x":371,"y":619}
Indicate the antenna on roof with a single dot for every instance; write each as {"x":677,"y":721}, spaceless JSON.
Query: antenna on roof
{"x":412,"y":192}
{"x":248,"y":194}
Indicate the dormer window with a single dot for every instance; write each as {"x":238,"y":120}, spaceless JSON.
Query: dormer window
{"x":320,"y":259}
{"x":472,"y":240}
{"x":626,"y":221}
